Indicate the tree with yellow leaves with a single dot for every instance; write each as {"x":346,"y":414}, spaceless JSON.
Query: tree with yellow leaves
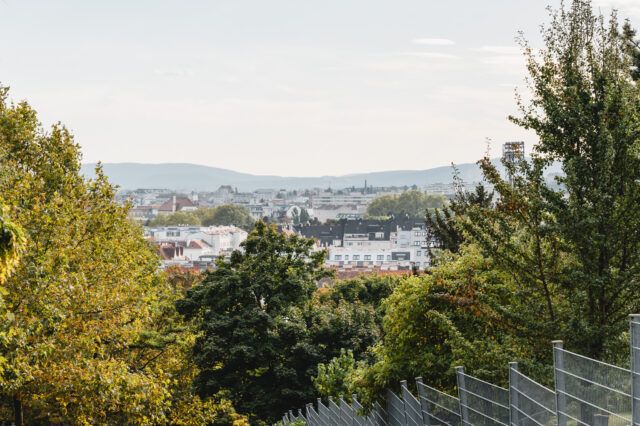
{"x":86,"y":299}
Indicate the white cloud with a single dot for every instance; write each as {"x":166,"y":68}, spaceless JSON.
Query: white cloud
{"x":500,"y":50}
{"x":626,"y":8}
{"x":434,"y":41}
{"x":430,"y":55}
{"x":173,"y":72}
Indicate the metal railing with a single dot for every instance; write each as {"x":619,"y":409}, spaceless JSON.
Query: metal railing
{"x":587,"y":392}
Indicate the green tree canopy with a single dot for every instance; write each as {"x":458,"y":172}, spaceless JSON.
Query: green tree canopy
{"x":412,"y":203}
{"x":544,"y":261}
{"x":227,"y":214}
{"x":177,"y":219}
{"x":585,"y":110}
{"x":442,"y":224}
{"x":249,"y":311}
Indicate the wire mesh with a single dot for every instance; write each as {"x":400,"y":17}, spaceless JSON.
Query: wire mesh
{"x":379,"y":415}
{"x":346,"y":413}
{"x":395,"y":409}
{"x":324,"y":413}
{"x":412,"y":409}
{"x":532,"y":404}
{"x":313,"y":418}
{"x":359,"y":419}
{"x":438,"y":408}
{"x":635,"y":368}
{"x":375,"y":417}
{"x":335,"y":412}
{"x":591,"y":392}
{"x":482,"y":403}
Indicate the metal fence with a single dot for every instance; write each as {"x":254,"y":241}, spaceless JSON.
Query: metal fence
{"x":530,"y":403}
{"x":587,"y":392}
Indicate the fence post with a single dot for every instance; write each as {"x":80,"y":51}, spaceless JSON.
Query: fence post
{"x":354,"y":406}
{"x":462,"y":395}
{"x":634,"y":326}
{"x":403,"y":384}
{"x":514,"y":403}
{"x":424,"y":405}
{"x":558,"y":375}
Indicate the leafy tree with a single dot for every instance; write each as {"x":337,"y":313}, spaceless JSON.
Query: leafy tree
{"x":83,"y":297}
{"x":295,"y":217}
{"x":166,"y":346}
{"x":176,"y":219}
{"x":304,"y":216}
{"x":632,"y":46}
{"x":435,"y":322}
{"x":249,"y":313}
{"x":229,"y":214}
{"x":441,"y":223}
{"x":11,"y":243}
{"x":334,"y":325}
{"x":585,"y":111}
{"x":412,"y":203}
{"x":334,"y":378}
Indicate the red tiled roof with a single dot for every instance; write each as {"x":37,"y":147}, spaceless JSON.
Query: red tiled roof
{"x":181,"y":202}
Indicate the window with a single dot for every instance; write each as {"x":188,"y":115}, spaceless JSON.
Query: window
{"x":380,"y":257}
{"x":388,"y":257}
{"x":416,"y":243}
{"x":367,"y":257}
{"x":338,"y":257}
{"x":356,"y":257}
{"x":346,"y":257}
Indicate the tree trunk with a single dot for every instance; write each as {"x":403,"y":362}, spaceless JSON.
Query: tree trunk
{"x":18,"y":415}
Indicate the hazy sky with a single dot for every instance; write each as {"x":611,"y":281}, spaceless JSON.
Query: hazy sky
{"x":287,"y":87}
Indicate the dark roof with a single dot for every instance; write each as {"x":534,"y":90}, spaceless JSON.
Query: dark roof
{"x":328,"y":233}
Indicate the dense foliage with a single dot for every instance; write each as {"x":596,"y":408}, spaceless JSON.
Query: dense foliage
{"x":11,"y":242}
{"x":412,"y":203}
{"x":264,"y":327}
{"x":226,"y":214}
{"x":85,"y":305}
{"x":94,"y":333}
{"x":545,"y":260}
{"x":442,"y":223}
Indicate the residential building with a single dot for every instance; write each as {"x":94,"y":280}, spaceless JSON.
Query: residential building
{"x":189,"y":244}
{"x":394,"y":244}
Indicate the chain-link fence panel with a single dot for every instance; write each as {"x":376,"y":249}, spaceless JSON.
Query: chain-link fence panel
{"x":531,"y":403}
{"x":313,"y":417}
{"x":346,"y":413}
{"x":482,"y":403}
{"x":324,"y":413}
{"x":591,"y":392}
{"x":412,"y":409}
{"x":395,"y":409}
{"x":438,"y":408}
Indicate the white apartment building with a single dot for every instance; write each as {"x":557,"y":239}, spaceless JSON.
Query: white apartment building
{"x":196,"y":241}
{"x":386,"y":245}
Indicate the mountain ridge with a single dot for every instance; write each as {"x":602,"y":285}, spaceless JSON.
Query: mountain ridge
{"x":188,"y":176}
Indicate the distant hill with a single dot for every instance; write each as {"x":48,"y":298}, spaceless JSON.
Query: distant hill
{"x":184,"y":176}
